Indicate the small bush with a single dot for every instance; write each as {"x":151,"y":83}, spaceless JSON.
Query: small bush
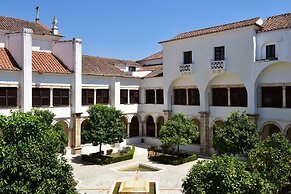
{"x":96,"y":158}
{"x":109,"y":151}
{"x":173,"y":159}
{"x":124,"y":150}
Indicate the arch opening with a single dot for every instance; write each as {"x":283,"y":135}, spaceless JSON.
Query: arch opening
{"x":197,"y":123}
{"x":150,"y":127}
{"x":160,"y":123}
{"x":268,"y":130}
{"x":134,"y":127}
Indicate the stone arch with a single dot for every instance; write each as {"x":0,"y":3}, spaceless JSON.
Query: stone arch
{"x":160,"y":120}
{"x":288,"y":133}
{"x":196,"y":121}
{"x":268,"y":129}
{"x":224,"y":80}
{"x":150,"y":126}
{"x":84,"y":126}
{"x":134,"y":126}
{"x":66,"y":128}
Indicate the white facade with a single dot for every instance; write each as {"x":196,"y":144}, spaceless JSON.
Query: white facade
{"x":243,"y":66}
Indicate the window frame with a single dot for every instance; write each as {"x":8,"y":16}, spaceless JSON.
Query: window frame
{"x":8,"y":97}
{"x":219,"y":53}
{"x":188,"y":58}
{"x":276,"y":101}
{"x":238,"y":97}
{"x":124,"y":99}
{"x":86,"y":97}
{"x":193,"y":97}
{"x":219,"y":99}
{"x":178,"y":100}
{"x":102,"y":96}
{"x":134,"y":96}
{"x":41,"y":97}
{"x":270,"y":51}
{"x":159,"y":96}
{"x":64,"y":94}
{"x":150,"y":96}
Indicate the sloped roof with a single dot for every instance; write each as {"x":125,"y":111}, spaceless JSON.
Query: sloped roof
{"x":16,"y":25}
{"x":276,"y":22}
{"x":7,"y":62}
{"x":149,"y":67}
{"x":215,"y":29}
{"x":158,"y":55}
{"x":45,"y":62}
{"x":103,"y":66}
{"x":158,"y":72}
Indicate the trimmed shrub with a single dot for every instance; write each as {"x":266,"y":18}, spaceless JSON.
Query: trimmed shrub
{"x":96,"y":158}
{"x":173,"y":159}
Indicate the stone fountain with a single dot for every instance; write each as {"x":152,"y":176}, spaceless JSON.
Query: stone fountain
{"x":135,"y":186}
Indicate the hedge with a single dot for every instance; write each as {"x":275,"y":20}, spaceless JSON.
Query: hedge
{"x":96,"y":158}
{"x":173,"y":159}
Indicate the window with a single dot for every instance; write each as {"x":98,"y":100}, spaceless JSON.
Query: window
{"x":123,"y":96}
{"x":180,"y":96}
{"x":87,"y":96}
{"x":131,"y":68}
{"x":40,"y":97}
{"x":270,"y":51}
{"x":188,"y":57}
{"x":193,"y":97}
{"x":61,"y":97}
{"x":102,"y":96}
{"x":159,"y":96}
{"x":8,"y":97}
{"x":219,"y":53}
{"x":134,"y":96}
{"x":288,"y":96}
{"x":238,"y":97}
{"x":272,"y":97}
{"x":150,"y":96}
{"x":220,"y":96}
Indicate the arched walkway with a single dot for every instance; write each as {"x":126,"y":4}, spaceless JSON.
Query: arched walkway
{"x":288,"y":134}
{"x":150,"y":126}
{"x":160,"y":123}
{"x":268,"y":130}
{"x":84,"y":126}
{"x":216,"y":124}
{"x":134,"y":127}
{"x":196,"y":122}
{"x":65,"y":126}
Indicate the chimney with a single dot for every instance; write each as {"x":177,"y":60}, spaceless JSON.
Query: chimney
{"x":55,"y":30}
{"x":37,"y":15}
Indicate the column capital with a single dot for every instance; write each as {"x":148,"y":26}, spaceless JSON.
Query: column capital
{"x":204,"y":114}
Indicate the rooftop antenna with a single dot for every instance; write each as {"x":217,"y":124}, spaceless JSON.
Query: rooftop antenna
{"x":37,"y":15}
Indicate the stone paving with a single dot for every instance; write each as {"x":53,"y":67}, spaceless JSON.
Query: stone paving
{"x":96,"y":179}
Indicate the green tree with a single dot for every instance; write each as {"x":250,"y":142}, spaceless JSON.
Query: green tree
{"x":237,"y":136}
{"x":104,"y":126}
{"x":224,"y":175}
{"x":272,"y":159}
{"x":28,"y":160}
{"x":179,"y":130}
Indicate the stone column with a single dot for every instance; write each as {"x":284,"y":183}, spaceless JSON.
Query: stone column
{"x":140,"y":128}
{"x":156,"y":129}
{"x":205,"y":143}
{"x":127,"y":129}
{"x":76,"y":133}
{"x":144,"y":128}
{"x":253,"y":118}
{"x":167,"y":114}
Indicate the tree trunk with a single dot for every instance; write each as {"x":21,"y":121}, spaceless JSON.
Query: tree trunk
{"x":178,"y":148}
{"x":100,"y":149}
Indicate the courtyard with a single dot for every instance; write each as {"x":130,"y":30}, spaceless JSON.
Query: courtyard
{"x":99,"y":179}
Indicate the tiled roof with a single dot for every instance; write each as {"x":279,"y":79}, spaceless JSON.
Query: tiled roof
{"x":149,"y":67}
{"x":277,"y":22}
{"x":7,"y":62}
{"x":215,"y":29}
{"x":158,"y":72}
{"x":16,"y":25}
{"x":45,"y":62}
{"x":103,"y":66}
{"x":158,"y":55}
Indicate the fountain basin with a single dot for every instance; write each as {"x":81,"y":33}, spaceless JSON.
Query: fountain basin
{"x":139,"y":167}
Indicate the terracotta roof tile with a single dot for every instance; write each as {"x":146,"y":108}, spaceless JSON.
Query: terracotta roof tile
{"x":158,"y":72}
{"x":44,"y":62}
{"x":7,"y":62}
{"x":100,"y":66}
{"x":16,"y":25}
{"x":150,"y":67}
{"x":277,"y":22}
{"x":215,"y":29}
{"x":158,"y":55}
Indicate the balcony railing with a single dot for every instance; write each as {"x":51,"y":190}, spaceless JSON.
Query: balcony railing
{"x":218,"y":65}
{"x":185,"y":68}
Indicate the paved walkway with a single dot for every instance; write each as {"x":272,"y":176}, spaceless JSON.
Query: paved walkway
{"x":95,"y":179}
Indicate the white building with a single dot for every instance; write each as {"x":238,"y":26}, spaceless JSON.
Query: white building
{"x":205,"y":73}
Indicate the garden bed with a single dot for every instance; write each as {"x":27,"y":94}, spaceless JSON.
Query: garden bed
{"x":173,"y":158}
{"x":96,"y":158}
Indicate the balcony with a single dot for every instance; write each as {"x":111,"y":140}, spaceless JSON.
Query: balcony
{"x":218,"y":65}
{"x":185,"y":68}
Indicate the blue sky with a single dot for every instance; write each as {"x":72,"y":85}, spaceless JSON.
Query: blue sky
{"x":131,"y":29}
